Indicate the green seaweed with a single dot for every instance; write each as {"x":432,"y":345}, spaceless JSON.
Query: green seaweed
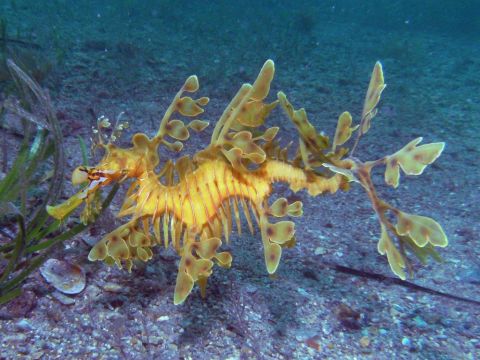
{"x":21,"y":207}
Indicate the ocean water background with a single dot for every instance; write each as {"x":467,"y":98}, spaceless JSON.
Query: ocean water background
{"x":103,"y":57}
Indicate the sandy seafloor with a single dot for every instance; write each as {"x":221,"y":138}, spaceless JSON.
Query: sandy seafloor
{"x":308,"y":311}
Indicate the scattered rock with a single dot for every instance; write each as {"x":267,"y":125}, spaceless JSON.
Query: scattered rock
{"x":64,"y":299}
{"x":313,"y":343}
{"x":348,"y":317}
{"x":408,"y":344}
{"x":14,"y":338}
{"x":419,"y":322}
{"x":24,"y":325}
{"x":320,"y":251}
{"x":364,"y":341}
{"x":22,"y":305}
{"x":305,"y":334}
{"x":303,"y":292}
{"x":112,"y":287}
{"x":63,"y":276}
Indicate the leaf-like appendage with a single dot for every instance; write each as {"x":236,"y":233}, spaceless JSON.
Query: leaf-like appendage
{"x":191,"y":84}
{"x":344,"y":130}
{"x":281,"y":232}
{"x":421,"y":229}
{"x":142,"y":254}
{"x":273,"y":253}
{"x":345,"y":172}
{"x":243,"y":141}
{"x":375,"y":88}
{"x":255,"y":157}
{"x":422,"y":253}
{"x":98,"y":252}
{"x":137,"y":238}
{"x":412,"y":159}
{"x":234,"y":156}
{"x":183,"y":287}
{"x":254,"y":113}
{"x":279,"y":207}
{"x":117,"y":248}
{"x":261,"y":86}
{"x":188,"y":107}
{"x":198,"y":125}
{"x":270,"y":133}
{"x":295,"y":209}
{"x":224,"y":259}
{"x":206,"y":249}
{"x":395,"y":259}
{"x":176,"y":146}
{"x":177,"y":130}
{"x":204,"y":100}
{"x":314,"y":141}
{"x":200,"y":268}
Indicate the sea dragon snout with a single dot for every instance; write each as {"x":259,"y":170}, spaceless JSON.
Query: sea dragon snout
{"x":93,"y":180}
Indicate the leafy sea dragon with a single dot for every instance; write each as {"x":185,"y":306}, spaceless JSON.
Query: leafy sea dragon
{"x":190,"y":204}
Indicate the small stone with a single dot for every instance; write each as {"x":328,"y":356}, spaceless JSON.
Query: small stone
{"x":348,"y":317}
{"x":364,"y":341}
{"x":394,"y":312}
{"x":163,"y":318}
{"x":64,"y":299}
{"x":303,"y":292}
{"x":155,"y":340}
{"x":14,"y":338}
{"x":303,"y":335}
{"x":419,"y":322}
{"x":327,"y":329}
{"x":24,"y":325}
{"x":112,"y":287}
{"x":251,"y":289}
{"x":20,"y":306}
{"x":406,"y":342}
{"x":320,"y":251}
{"x":37,"y":355}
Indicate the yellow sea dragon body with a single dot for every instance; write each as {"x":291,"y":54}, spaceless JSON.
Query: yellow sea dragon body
{"x":191,"y":204}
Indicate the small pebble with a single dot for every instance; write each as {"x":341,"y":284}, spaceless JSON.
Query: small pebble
{"x":419,"y":322}
{"x":406,"y":342}
{"x":303,"y":292}
{"x":24,"y":325}
{"x":112,"y":287}
{"x":364,"y":341}
{"x":64,"y":299}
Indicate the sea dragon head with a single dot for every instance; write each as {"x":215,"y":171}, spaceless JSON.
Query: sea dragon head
{"x":117,"y":165}
{"x":137,"y":161}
